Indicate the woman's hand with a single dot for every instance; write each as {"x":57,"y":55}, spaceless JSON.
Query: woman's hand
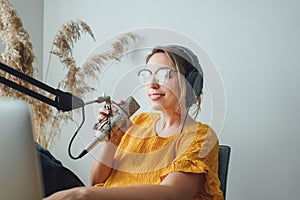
{"x":101,"y":167}
{"x":117,"y":132}
{"x":105,"y":111}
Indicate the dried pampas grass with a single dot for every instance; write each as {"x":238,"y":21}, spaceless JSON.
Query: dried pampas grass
{"x":95,"y":63}
{"x":19,"y":55}
{"x":76,"y":80}
{"x":62,"y":47}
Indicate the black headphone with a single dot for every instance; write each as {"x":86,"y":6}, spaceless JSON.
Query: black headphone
{"x":193,"y":76}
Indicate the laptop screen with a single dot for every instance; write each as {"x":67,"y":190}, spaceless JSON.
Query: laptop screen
{"x":19,"y":169}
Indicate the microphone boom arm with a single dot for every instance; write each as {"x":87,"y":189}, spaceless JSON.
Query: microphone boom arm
{"x":64,"y":101}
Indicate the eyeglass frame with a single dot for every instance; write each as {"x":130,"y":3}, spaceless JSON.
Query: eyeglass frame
{"x":155,"y":73}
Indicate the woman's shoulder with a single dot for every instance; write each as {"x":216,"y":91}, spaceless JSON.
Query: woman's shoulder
{"x":198,"y":128}
{"x":199,"y":135}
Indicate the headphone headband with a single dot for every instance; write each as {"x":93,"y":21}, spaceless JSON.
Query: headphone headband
{"x":186,"y":54}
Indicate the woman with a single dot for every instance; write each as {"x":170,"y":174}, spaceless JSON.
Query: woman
{"x":165,"y":154}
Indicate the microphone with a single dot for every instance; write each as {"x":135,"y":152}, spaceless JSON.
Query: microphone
{"x":117,"y":121}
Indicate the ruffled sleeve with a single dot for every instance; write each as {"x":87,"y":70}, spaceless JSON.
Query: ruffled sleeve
{"x":197,"y":152}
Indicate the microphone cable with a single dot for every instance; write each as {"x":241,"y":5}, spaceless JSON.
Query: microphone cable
{"x":80,"y":126}
{"x":74,"y":135}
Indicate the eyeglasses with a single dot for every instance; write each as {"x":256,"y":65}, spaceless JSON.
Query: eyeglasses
{"x":161,"y":76}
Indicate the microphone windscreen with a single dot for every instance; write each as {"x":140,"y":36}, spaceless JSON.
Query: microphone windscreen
{"x":130,"y":106}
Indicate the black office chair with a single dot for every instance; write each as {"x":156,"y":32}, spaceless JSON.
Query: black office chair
{"x":224,"y":156}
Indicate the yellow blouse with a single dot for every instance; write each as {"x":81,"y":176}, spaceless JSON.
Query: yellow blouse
{"x":143,"y":157}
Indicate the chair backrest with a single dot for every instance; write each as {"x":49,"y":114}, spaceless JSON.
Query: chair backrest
{"x":224,"y":156}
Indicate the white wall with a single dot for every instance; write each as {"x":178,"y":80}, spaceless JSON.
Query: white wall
{"x":31,"y":14}
{"x":255,"y":45}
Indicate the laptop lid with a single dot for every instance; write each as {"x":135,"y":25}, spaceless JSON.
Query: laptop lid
{"x":19,"y":169}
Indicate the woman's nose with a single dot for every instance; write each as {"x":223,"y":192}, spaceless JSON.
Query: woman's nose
{"x":153,"y":82}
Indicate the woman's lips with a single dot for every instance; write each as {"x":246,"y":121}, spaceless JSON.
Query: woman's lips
{"x":155,"y":96}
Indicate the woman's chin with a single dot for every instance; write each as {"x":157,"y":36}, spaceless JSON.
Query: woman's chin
{"x":157,"y":107}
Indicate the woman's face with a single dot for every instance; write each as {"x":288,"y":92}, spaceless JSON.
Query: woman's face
{"x":162,"y":96}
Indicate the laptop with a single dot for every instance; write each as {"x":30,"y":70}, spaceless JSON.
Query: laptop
{"x":19,"y":169}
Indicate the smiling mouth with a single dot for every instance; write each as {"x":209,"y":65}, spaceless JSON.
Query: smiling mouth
{"x":155,"y":96}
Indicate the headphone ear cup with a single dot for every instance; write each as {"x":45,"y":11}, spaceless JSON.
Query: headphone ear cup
{"x":194,"y":85}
